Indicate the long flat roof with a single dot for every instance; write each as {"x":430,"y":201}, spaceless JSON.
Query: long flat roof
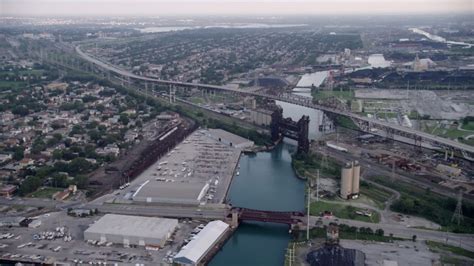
{"x":194,"y":250}
{"x":156,"y":190}
{"x":225,"y":135}
{"x":138,"y":226}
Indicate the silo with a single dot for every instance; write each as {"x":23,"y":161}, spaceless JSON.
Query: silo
{"x":346,"y":181}
{"x":355,"y":178}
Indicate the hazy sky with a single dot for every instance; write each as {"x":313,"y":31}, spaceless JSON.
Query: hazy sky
{"x":231,"y":7}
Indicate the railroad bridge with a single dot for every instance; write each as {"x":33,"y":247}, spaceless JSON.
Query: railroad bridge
{"x":286,"y":127}
{"x":365,"y":124}
{"x":283,"y":217}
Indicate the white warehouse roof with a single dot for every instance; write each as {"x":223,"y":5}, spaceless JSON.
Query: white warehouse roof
{"x":204,"y":240}
{"x":132,"y":226}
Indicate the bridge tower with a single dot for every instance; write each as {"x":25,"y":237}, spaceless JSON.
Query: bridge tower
{"x":303,"y":140}
{"x":298,"y":131}
{"x":277,"y":118}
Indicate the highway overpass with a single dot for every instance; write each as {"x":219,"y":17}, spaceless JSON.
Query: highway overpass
{"x":365,"y":124}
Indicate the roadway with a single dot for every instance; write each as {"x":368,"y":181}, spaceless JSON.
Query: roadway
{"x":465,"y":241}
{"x":162,"y":210}
{"x":289,"y":98}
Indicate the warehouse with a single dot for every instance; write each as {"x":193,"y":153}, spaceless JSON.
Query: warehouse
{"x":171,"y":192}
{"x":131,"y":230}
{"x":230,"y":139}
{"x":194,"y":251}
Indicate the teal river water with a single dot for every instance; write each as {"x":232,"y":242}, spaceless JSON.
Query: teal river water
{"x":267,"y":182}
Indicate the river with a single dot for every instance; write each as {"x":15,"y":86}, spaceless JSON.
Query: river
{"x":266,"y":181}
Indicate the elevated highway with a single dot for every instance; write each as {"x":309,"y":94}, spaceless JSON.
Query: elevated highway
{"x":365,"y":123}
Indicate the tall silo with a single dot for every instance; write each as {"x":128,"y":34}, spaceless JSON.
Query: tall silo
{"x":355,"y":178}
{"x":346,"y":180}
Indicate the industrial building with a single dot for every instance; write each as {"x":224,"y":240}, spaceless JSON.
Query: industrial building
{"x":131,"y":230}
{"x":199,"y":170}
{"x":230,"y":139}
{"x":168,"y":192}
{"x":195,"y":251}
{"x":350,"y":180}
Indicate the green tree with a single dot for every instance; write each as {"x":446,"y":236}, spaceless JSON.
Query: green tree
{"x":124,"y":119}
{"x":19,"y":153}
{"x":30,"y":184}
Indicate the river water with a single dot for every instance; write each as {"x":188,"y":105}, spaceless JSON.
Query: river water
{"x":267,"y":182}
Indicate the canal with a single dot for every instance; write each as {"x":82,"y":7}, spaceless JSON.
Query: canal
{"x":266,"y":181}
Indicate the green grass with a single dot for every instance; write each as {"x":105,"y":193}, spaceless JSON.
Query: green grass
{"x":346,"y":122}
{"x":451,"y":132}
{"x":382,"y":114}
{"x":45,"y":192}
{"x":453,"y":249}
{"x":468,"y":141}
{"x":307,"y":165}
{"x":429,"y":205}
{"x":319,"y":232}
{"x":196,"y":100}
{"x":378,"y":195}
{"x":468,"y":126}
{"x":342,"y":211}
{"x":11,"y":84}
{"x":321,"y":94}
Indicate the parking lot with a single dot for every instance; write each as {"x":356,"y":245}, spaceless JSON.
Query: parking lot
{"x":25,"y":243}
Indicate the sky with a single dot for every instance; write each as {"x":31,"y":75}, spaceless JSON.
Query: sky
{"x":230,"y":7}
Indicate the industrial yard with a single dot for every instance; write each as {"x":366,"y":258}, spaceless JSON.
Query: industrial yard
{"x":100,"y":239}
{"x":199,"y":170}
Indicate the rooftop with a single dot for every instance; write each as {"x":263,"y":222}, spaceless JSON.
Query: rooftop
{"x":194,"y":250}
{"x":127,"y":225}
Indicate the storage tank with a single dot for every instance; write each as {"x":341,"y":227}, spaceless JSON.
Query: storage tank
{"x":355,"y":178}
{"x":346,"y":180}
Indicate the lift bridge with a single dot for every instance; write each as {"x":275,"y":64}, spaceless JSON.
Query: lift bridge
{"x":282,"y":217}
{"x":286,"y":127}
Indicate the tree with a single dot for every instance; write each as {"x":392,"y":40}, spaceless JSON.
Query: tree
{"x":81,"y":181}
{"x":413,"y":238}
{"x":29,"y":185}
{"x":124,"y":119}
{"x":379,"y":232}
{"x":60,"y":181}
{"x":20,"y":110}
{"x":19,"y":153}
{"x":94,"y":134}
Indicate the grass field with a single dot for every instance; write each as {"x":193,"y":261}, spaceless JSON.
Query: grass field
{"x":45,"y":192}
{"x":11,"y":84}
{"x":468,"y":126}
{"x":321,"y":95}
{"x":342,"y":211}
{"x":468,"y":141}
{"x":321,"y":233}
{"x":444,"y":131}
{"x":421,"y":202}
{"x":378,"y":195}
{"x":455,"y":250}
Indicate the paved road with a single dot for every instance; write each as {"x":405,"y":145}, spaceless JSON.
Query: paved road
{"x":289,"y":98}
{"x":164,"y":211}
{"x":39,"y":203}
{"x":466,"y":241}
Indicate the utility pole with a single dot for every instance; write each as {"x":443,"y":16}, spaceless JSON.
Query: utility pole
{"x":457,"y":216}
{"x":317,"y":186}
{"x":307,"y":212}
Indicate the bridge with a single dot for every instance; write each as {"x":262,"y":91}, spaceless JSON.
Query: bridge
{"x":289,"y":218}
{"x":365,"y":124}
{"x":288,"y":128}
